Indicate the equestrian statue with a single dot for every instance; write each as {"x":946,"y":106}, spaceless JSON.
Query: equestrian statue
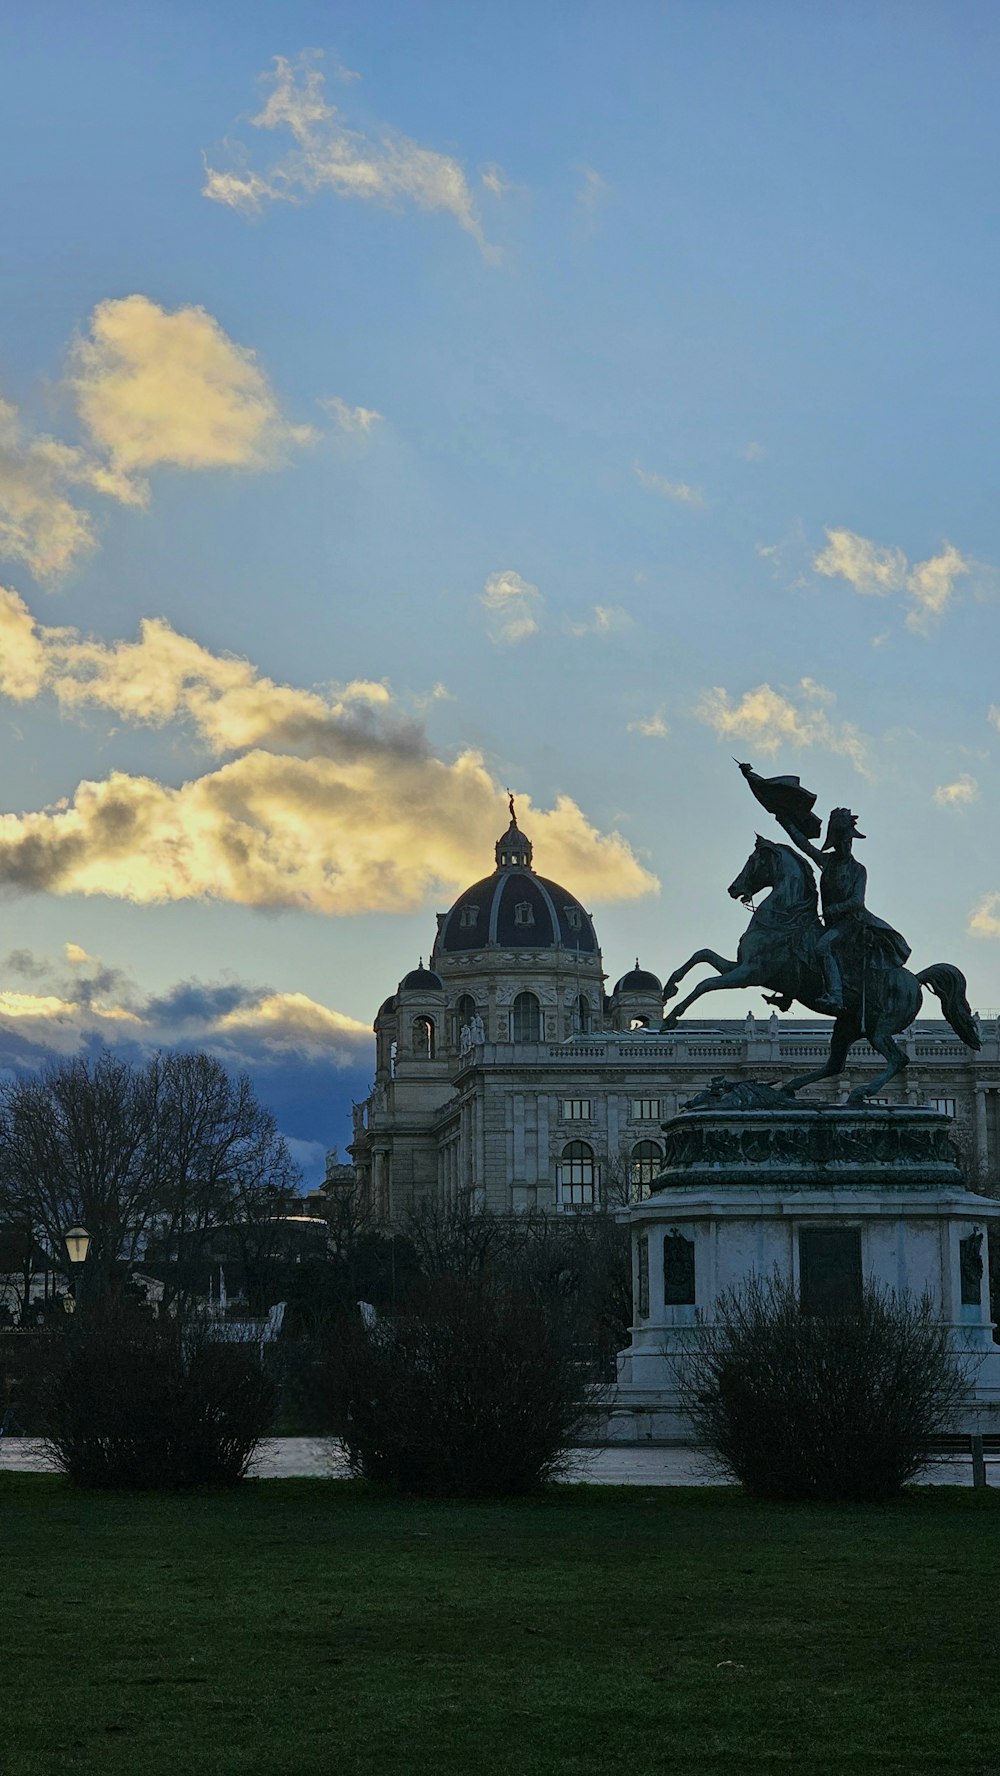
{"x":845,"y":963}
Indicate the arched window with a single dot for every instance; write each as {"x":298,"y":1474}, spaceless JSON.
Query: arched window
{"x":464,"y":1012}
{"x":527,"y":1019}
{"x":645,"y":1164}
{"x":577,"y":1175}
{"x":585,"y":1014}
{"x":423,"y":1039}
{"x":638,"y":1023}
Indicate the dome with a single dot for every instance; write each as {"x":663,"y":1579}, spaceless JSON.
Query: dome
{"x":638,"y":980}
{"x":515,"y":909}
{"x":421,"y":980}
{"x":386,"y":1006}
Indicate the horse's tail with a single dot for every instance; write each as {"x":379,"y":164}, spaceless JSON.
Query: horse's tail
{"x":948,"y":982}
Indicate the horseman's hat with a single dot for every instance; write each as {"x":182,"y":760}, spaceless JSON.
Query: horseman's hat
{"x":839,"y":819}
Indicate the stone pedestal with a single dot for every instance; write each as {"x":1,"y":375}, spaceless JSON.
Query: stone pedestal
{"x":823,"y":1198}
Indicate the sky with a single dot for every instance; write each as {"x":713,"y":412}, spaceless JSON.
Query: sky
{"x":399,"y":402}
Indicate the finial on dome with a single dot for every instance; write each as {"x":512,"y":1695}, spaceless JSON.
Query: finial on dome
{"x":513,"y":847}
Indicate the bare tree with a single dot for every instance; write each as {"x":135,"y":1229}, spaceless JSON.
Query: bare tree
{"x":216,"y":1158}
{"x":74,"y":1146}
{"x":167,"y":1150}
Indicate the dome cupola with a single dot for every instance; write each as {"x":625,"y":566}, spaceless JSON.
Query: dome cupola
{"x":637,"y":1001}
{"x":515,"y":909}
{"x":421,"y":980}
{"x":638,"y":980}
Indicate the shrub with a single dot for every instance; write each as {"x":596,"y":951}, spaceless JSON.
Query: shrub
{"x":26,"y":1363}
{"x":823,"y":1407}
{"x":470,"y":1390}
{"x":137,"y":1402}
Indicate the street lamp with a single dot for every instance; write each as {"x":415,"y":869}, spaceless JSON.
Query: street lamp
{"x":77,"y":1244}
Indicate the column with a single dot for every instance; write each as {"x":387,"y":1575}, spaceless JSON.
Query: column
{"x":982,"y":1139}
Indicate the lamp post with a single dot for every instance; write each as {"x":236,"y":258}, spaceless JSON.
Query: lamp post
{"x":77,"y":1242}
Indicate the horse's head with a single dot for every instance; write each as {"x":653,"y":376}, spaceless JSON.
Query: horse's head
{"x":759,"y":871}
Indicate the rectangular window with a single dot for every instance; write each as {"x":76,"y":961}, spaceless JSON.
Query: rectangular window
{"x":578,"y":1196}
{"x":644,"y":1276}
{"x":576,"y":1109}
{"x":645,"y":1109}
{"x":830,"y":1270}
{"x":945,"y":1105}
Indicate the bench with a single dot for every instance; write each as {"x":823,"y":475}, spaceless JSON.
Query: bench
{"x":977,"y":1445}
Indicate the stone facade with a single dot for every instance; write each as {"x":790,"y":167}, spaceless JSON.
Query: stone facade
{"x":506,"y":1075}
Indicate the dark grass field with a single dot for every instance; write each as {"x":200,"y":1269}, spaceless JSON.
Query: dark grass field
{"x":300,"y":1626}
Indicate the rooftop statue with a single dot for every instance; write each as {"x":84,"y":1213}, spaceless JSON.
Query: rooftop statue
{"x":847,"y":963}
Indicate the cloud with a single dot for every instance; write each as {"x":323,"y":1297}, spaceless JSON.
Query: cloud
{"x":608,"y":619}
{"x":772,"y":719}
{"x":155,"y":388}
{"x":166,"y":677}
{"x":305,"y":1059}
{"x":654,"y":726}
{"x":152,"y":388}
{"x":334,"y":804}
{"x":328,"y":156}
{"x":752,"y":452}
{"x":76,"y":953}
{"x":878,"y":572}
{"x":243,"y":1024}
{"x":984,"y":920}
{"x":593,"y":190}
{"x":351,"y":419}
{"x":512,"y":603}
{"x":679,"y":491}
{"x":39,"y":524}
{"x":959,"y":794}
{"x":495,"y":180}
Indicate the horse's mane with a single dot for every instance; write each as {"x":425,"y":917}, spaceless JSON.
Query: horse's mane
{"x":807,"y":874}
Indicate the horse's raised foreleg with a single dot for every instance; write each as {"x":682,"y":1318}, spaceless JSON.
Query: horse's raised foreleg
{"x":845,"y":1031}
{"x":737,"y":974}
{"x":881,"y":1040}
{"x":713,"y":959}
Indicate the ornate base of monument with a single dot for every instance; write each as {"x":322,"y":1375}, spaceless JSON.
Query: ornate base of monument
{"x":825,"y":1199}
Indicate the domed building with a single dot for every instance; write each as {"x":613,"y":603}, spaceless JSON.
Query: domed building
{"x":506,"y":1077}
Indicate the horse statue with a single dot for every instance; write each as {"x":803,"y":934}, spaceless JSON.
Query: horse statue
{"x":781,"y":950}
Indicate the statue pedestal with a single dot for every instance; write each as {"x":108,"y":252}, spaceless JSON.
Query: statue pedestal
{"x":827,"y":1199}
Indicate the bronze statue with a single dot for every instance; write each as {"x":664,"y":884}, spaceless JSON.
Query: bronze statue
{"x":850,"y":965}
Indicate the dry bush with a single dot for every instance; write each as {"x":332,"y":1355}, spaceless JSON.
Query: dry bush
{"x":137,"y":1402}
{"x":824,"y":1406}
{"x":469,"y":1390}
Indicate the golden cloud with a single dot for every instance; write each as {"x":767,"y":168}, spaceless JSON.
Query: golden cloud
{"x":984,"y":920}
{"x":155,"y":387}
{"x":958,"y":794}
{"x":877,"y":572}
{"x":328,"y":156}
{"x":512,"y":604}
{"x":332,"y":805}
{"x":771,"y":719}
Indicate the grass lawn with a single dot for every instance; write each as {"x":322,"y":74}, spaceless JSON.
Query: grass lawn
{"x":299,"y":1626}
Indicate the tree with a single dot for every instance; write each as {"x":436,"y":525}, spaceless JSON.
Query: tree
{"x":216,"y":1157}
{"x":165,"y":1150}
{"x":822,"y":1406}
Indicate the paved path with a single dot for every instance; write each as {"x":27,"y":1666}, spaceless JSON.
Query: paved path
{"x":620,"y":1465}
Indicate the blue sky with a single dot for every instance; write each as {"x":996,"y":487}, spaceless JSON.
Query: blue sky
{"x":568,"y":397}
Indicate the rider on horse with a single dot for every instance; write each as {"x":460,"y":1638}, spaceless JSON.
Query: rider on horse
{"x":846,"y":919}
{"x":842,"y":885}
